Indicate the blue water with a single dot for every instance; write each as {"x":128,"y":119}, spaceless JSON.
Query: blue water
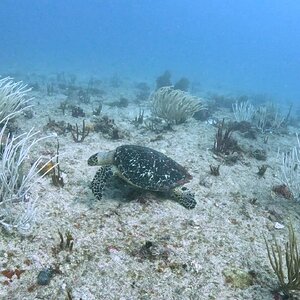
{"x":249,"y":45}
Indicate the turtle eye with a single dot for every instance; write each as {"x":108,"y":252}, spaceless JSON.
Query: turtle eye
{"x":183,"y":188}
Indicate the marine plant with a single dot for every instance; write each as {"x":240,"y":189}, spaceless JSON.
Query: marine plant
{"x":93,"y":87}
{"x":79,"y":135}
{"x":286,"y":264}
{"x":216,"y":101}
{"x":13,"y":98}
{"x":69,"y":294}
{"x":17,"y":203}
{"x":268,"y":118}
{"x":262,"y":170}
{"x":66,"y":244}
{"x":59,"y":127}
{"x":46,"y":168}
{"x":84,"y":96}
{"x":56,"y":176}
{"x":139,"y":119}
{"x":50,"y":89}
{"x":243,"y":111}
{"x":63,"y":106}
{"x":282,"y":190}
{"x":245,"y":128}
{"x":290,"y":171}
{"x":66,"y":80}
{"x":174,"y":106}
{"x":108,"y":127}
{"x":224,"y":143}
{"x":214,"y":170}
{"x":97,"y":110}
{"x":77,"y":112}
{"x":155,"y":125}
{"x":259,"y":154}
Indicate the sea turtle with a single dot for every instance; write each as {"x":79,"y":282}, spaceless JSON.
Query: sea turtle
{"x":143,"y":168}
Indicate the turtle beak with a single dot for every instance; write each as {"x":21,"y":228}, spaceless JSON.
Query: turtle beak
{"x":93,"y":160}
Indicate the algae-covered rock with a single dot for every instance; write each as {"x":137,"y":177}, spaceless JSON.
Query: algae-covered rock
{"x":238,"y":278}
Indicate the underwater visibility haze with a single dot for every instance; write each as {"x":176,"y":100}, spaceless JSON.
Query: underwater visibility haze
{"x":149,"y":149}
{"x":241,"y":45}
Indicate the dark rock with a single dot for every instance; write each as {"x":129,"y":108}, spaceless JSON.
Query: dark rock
{"x":45,"y":276}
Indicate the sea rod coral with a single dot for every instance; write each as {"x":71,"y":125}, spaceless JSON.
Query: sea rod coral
{"x":174,"y":106}
{"x":17,"y":205}
{"x":13,"y":98}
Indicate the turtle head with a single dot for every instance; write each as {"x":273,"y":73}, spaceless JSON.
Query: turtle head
{"x":101,"y":159}
{"x":184,"y":197}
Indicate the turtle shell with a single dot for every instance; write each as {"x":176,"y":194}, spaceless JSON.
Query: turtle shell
{"x":149,"y":169}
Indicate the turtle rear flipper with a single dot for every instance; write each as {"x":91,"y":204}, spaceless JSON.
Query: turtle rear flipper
{"x":99,"y":181}
{"x":184,"y":197}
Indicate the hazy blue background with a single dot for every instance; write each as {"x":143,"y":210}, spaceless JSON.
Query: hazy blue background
{"x":251,"y":45}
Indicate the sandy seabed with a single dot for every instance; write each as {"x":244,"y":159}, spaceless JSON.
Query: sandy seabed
{"x":149,"y":247}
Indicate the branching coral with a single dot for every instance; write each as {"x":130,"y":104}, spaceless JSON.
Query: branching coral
{"x":79,"y":135}
{"x":13,"y":98}
{"x":268,"y":118}
{"x":289,"y":170}
{"x":243,"y":111}
{"x":286,"y":264}
{"x":224,"y":143}
{"x":174,"y":106}
{"x":17,"y":205}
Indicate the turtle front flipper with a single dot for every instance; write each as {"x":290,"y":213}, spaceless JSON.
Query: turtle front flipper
{"x":99,"y":181}
{"x":184,"y":197}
